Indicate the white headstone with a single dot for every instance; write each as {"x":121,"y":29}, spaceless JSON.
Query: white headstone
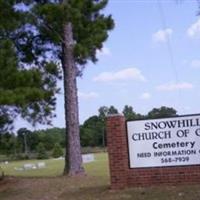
{"x":41,"y":165}
{"x":29,"y":166}
{"x":87,"y":158}
{"x":19,"y":169}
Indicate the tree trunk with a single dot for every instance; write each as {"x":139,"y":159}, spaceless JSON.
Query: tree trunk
{"x":25,"y":145}
{"x":73,"y":158}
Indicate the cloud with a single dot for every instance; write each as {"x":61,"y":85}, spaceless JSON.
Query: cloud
{"x":174,"y":86}
{"x":162,"y":35}
{"x":122,"y":75}
{"x":195,"y":63}
{"x":105,"y":51}
{"x":88,"y":96}
{"x":145,"y":96}
{"x":194,"y":30}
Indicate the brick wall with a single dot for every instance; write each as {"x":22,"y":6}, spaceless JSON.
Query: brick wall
{"x":122,"y":176}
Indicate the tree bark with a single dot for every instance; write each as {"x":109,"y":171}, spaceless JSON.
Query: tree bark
{"x":73,"y":158}
{"x":25,"y":145}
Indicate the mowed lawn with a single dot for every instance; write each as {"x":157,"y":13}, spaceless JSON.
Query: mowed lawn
{"x":48,"y":184}
{"x":54,"y":167}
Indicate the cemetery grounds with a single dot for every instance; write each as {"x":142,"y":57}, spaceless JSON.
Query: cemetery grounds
{"x":47,"y":183}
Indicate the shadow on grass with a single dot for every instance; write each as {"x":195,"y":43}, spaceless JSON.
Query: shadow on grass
{"x":151,"y":193}
{"x":95,"y":192}
{"x":88,"y":188}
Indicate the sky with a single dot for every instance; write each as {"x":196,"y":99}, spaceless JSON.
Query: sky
{"x":151,"y":59}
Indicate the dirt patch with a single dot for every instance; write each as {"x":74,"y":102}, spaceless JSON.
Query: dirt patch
{"x":87,"y":188}
{"x":7,"y":183}
{"x":45,"y":188}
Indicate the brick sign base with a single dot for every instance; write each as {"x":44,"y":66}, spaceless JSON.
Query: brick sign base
{"x":122,"y":176}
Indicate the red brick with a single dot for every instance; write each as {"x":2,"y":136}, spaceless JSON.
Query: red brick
{"x":122,"y":176}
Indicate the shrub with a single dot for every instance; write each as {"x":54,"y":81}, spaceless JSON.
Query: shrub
{"x":41,"y":151}
{"x":57,"y":151}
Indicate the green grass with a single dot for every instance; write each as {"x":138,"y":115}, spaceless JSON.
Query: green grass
{"x":55,"y":167}
{"x":43,"y":185}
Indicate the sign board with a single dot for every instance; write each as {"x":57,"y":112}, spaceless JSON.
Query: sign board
{"x":164,"y":142}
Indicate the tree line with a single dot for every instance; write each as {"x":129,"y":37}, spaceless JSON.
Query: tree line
{"x":27,"y":144}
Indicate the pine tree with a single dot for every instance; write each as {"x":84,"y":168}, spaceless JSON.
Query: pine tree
{"x":67,"y":33}
{"x":27,"y":86}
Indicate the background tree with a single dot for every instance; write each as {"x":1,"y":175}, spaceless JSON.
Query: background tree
{"x":128,"y":112}
{"x":41,"y":151}
{"x":49,"y":137}
{"x":103,"y":112}
{"x":112,"y":110}
{"x":92,"y":132}
{"x":57,"y":151}
{"x":24,"y":138}
{"x":7,"y":144}
{"x":162,"y":112}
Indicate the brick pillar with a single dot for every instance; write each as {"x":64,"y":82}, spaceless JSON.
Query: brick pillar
{"x":122,"y":176}
{"x":117,"y":150}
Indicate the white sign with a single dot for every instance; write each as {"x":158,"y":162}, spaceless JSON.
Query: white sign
{"x":164,"y":142}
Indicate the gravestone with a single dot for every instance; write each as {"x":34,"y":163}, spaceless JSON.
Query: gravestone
{"x":29,"y":166}
{"x":41,"y":165}
{"x":87,"y":158}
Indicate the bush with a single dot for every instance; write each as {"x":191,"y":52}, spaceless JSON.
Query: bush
{"x":86,"y":150}
{"x":41,"y":152}
{"x":57,"y":151}
{"x":20,"y":156}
